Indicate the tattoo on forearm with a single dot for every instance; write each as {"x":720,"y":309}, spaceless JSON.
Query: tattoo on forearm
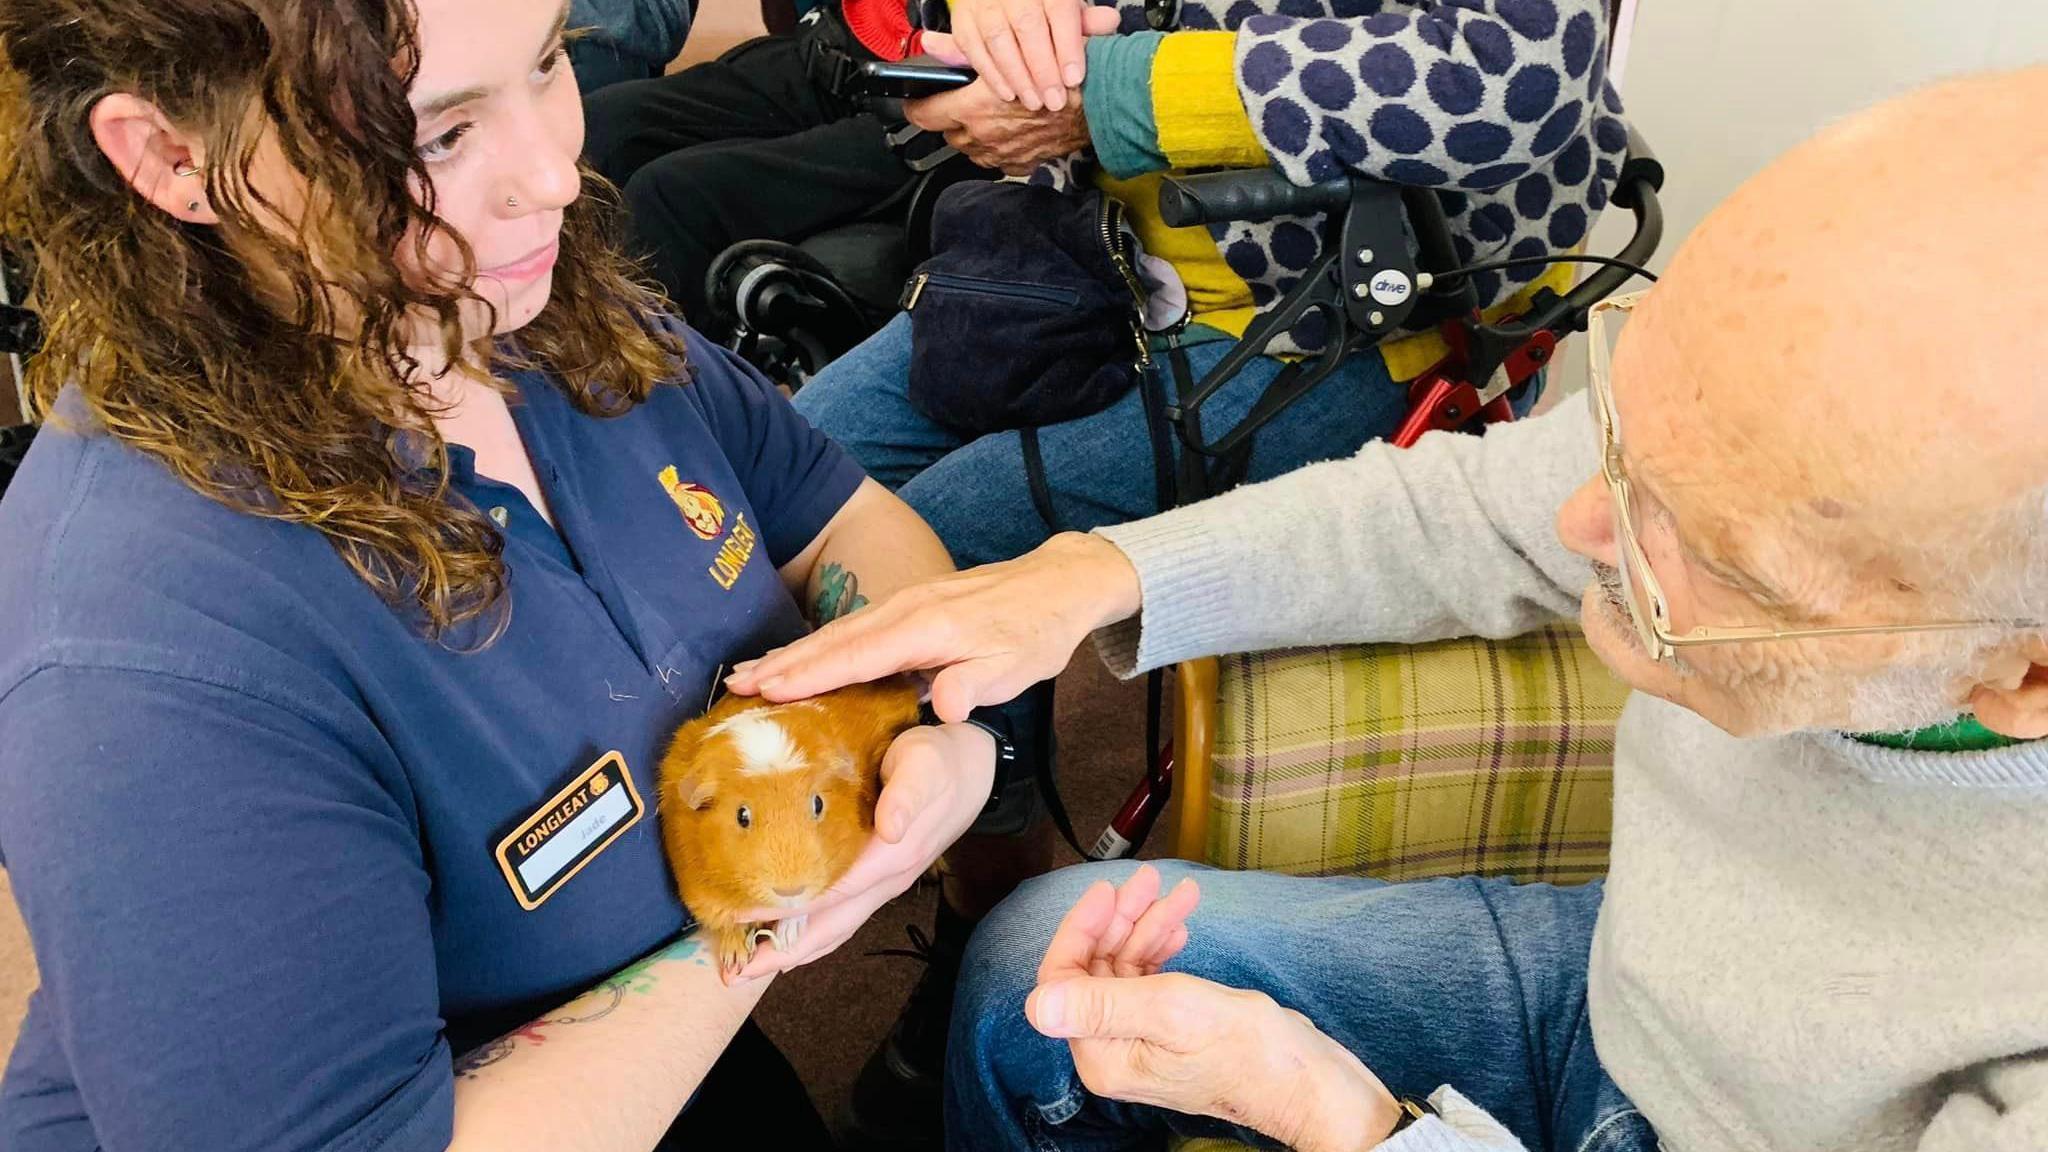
{"x":635,"y":979}
{"x":481,"y":1057}
{"x":838,"y":594}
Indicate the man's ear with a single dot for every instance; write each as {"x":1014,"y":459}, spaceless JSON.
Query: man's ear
{"x":2013,"y":700}
{"x":163,"y":163}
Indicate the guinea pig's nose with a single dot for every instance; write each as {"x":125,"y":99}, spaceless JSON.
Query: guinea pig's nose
{"x":790,"y":893}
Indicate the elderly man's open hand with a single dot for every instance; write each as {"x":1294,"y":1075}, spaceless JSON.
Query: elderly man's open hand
{"x":1185,"y":1044}
{"x":990,"y":632}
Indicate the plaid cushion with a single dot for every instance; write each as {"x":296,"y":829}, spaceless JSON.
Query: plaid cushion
{"x":1465,"y":757}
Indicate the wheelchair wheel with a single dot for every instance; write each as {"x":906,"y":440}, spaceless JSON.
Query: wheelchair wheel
{"x":789,"y":315}
{"x":789,"y":359}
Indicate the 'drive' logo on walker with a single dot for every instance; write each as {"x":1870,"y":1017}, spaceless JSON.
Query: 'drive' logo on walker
{"x":1390,"y":287}
{"x":702,"y":511}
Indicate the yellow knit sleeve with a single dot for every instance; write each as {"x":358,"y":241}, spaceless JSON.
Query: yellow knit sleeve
{"x":1202,"y":122}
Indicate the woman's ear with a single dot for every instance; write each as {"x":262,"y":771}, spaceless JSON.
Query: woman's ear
{"x":165,"y":165}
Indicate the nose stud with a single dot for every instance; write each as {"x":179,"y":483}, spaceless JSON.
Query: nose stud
{"x":511,"y":201}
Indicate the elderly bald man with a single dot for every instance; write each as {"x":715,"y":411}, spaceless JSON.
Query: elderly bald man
{"x":1823,"y":442}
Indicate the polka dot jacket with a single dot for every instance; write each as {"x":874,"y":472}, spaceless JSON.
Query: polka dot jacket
{"x":1502,"y":105}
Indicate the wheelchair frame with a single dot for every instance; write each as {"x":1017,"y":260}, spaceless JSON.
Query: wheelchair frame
{"x":1367,"y":285}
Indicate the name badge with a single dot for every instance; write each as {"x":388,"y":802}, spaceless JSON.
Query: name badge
{"x":577,"y":823}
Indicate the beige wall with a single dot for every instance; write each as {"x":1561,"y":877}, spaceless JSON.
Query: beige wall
{"x":1719,"y":87}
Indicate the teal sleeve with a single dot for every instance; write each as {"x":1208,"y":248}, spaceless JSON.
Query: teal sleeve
{"x":1117,"y":98}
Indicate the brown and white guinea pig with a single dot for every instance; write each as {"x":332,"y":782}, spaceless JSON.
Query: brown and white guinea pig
{"x":765,"y":805}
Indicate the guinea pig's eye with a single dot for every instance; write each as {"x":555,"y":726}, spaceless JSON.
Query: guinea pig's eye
{"x":817,"y":807}
{"x":746,"y":817}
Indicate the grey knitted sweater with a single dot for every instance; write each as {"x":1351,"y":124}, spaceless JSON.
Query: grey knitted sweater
{"x":1808,"y":944}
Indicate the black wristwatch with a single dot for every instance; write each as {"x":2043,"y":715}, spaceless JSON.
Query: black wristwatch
{"x":997,"y":725}
{"x":1411,"y":1111}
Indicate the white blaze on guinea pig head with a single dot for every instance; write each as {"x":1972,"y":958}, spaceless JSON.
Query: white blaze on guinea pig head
{"x":763,"y":744}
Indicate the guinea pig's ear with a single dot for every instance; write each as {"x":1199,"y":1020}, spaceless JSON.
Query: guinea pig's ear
{"x":695,"y":791}
{"x":879,"y":741}
{"x":680,"y":775}
{"x":894,"y":709}
{"x":841,"y":763}
{"x":861,"y":737}
{"x":861,"y":721}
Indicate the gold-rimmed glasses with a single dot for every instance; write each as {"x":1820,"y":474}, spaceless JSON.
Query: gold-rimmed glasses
{"x":1643,"y":597}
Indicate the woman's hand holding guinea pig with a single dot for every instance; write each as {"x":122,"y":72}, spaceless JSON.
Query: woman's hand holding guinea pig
{"x":935,"y":782}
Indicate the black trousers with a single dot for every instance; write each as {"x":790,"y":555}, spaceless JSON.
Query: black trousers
{"x":751,"y":1098}
{"x":600,"y":66}
{"x":741,"y":148}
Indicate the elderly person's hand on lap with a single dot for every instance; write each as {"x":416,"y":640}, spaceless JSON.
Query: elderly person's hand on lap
{"x":1180,"y":1042}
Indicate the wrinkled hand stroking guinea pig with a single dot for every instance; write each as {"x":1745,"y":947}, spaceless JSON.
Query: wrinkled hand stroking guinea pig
{"x":766,"y":805}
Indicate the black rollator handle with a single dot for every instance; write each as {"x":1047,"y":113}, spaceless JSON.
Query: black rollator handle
{"x":1253,"y":195}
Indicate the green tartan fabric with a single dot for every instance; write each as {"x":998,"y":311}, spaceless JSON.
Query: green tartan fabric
{"x":1464,"y":757}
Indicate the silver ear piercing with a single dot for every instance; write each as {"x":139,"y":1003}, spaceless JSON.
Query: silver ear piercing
{"x":186,"y":169}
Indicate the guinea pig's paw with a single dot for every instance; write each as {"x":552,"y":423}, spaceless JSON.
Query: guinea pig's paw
{"x":733,"y":946}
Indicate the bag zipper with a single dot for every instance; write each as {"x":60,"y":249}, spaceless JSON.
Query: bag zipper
{"x":1115,"y":243}
{"x":1110,"y":220}
{"x":977,"y":286}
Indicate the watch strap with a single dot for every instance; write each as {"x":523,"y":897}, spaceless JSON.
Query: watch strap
{"x":993,"y":722}
{"x":1412,"y":1110}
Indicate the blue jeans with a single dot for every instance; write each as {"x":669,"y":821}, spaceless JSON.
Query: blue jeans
{"x":1099,"y":468}
{"x":1478,"y":984}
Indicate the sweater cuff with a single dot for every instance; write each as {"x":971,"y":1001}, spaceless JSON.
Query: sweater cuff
{"x":1427,"y":1135}
{"x":1183,"y":591}
{"x":1459,"y":1126}
{"x":1117,"y":98}
{"x":1201,"y":119}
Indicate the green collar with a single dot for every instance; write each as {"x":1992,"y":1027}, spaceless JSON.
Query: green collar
{"x":1963,"y":735}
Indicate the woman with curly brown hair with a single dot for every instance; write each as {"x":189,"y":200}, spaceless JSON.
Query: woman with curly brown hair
{"x":350,"y":592}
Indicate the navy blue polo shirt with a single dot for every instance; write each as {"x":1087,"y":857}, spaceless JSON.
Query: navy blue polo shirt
{"x":279,"y":854}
